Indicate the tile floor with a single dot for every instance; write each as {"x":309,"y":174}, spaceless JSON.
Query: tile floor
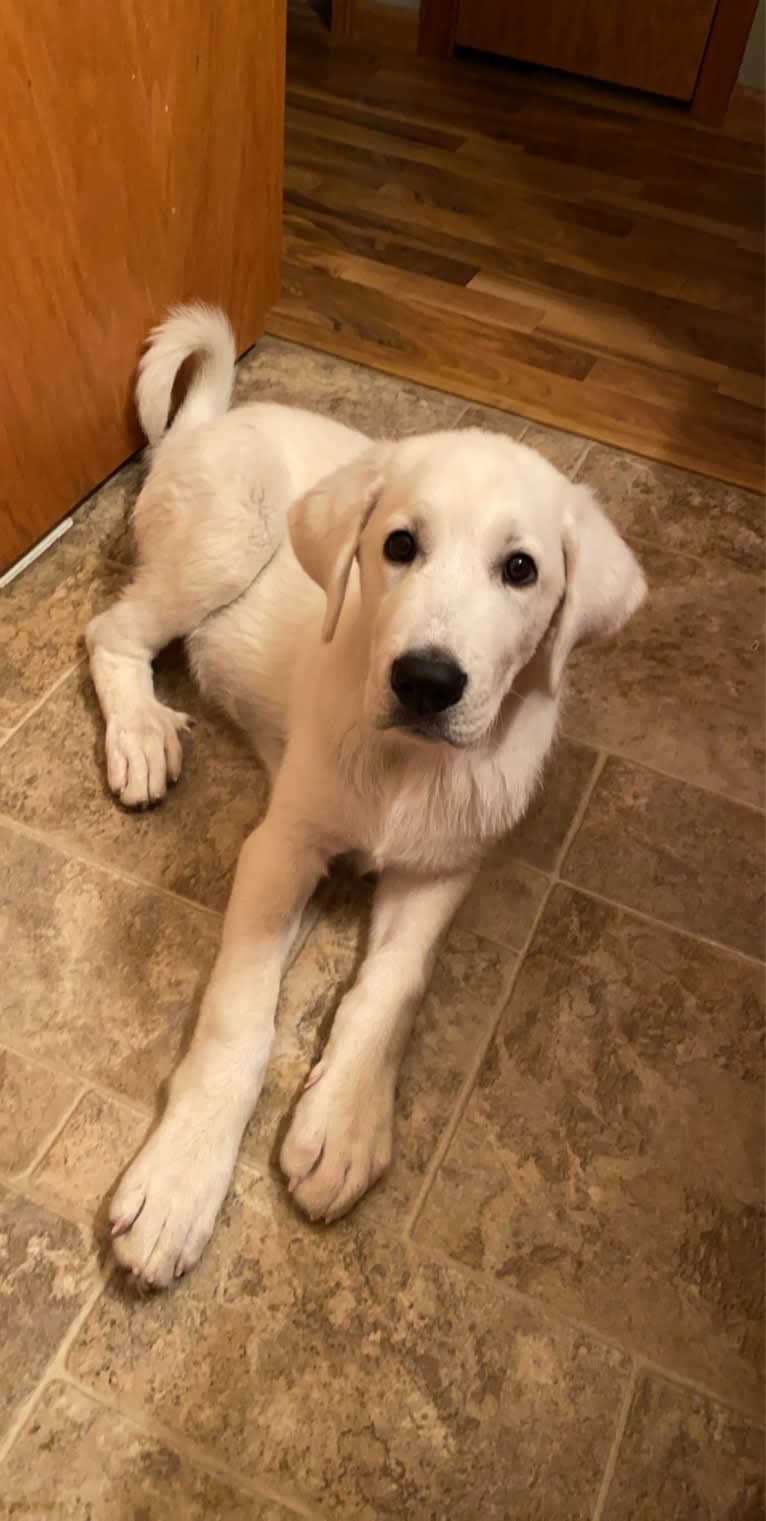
{"x":552,"y":1307}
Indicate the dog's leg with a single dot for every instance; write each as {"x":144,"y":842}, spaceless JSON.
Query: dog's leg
{"x":340,"y":1139}
{"x":166,"y":1204}
{"x":143,"y":746}
{"x":169,"y":598}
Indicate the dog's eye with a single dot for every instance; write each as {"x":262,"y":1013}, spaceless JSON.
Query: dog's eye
{"x":520,"y":570}
{"x":400,"y":547}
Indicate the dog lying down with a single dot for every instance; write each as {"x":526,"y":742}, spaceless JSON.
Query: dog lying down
{"x":389,"y":623}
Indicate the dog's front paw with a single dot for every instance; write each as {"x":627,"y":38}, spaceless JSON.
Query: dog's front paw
{"x":340,"y":1141}
{"x":165,"y":1206}
{"x":144,"y":754}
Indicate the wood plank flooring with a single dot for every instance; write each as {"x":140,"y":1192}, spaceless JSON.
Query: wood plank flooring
{"x":571,"y":253}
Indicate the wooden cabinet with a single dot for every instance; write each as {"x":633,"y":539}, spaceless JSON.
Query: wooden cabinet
{"x":140,"y":164}
{"x":651,"y":45}
{"x":688,"y":50}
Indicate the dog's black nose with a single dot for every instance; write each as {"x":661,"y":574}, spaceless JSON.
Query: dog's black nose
{"x":427,"y":682}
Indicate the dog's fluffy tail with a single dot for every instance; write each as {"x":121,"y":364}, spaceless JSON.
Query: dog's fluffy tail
{"x":195,"y":329}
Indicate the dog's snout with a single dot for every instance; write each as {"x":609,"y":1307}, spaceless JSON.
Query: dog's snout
{"x":427,"y":681}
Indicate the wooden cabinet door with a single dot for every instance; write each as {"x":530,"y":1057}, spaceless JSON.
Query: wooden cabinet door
{"x":140,"y":164}
{"x":648,"y":44}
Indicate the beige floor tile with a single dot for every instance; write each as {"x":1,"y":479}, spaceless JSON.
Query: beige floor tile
{"x":682,"y":688}
{"x":683,"y":1458}
{"x":102,"y":523}
{"x":79,"y":1172}
{"x":677,"y":510}
{"x":541,"y":834}
{"x":107,"y":976}
{"x":504,"y":899}
{"x":492,"y":420}
{"x":564,"y":450}
{"x":33,"y":1102}
{"x":53,"y":778}
{"x":689,"y":857}
{"x":311,"y":992}
{"x":77,"y":1460}
{"x":43,"y":614}
{"x":466,"y":990}
{"x":47,"y":1271}
{"x":381,"y":405}
{"x":609,"y":1162}
{"x":372,"y":1382}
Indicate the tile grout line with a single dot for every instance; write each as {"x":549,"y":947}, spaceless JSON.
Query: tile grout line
{"x":467,"y":1086}
{"x":27,"y":1189}
{"x":555,"y":879}
{"x":41,"y":701}
{"x":24,"y":1054}
{"x":590,"y":443}
{"x":463,"y":1097}
{"x":638,"y":1359}
{"x":511,"y":1295}
{"x":27,"y":1406}
{"x":669,"y":776}
{"x":426,"y":1252}
{"x":657,"y":1370}
{"x":614,"y":1451}
{"x":539,"y":1309}
{"x":580,"y":461}
{"x":24,"y":1187}
{"x":25,"y":1173}
{"x":583,"y":805}
{"x":558,"y":874}
{"x":158,"y":1431}
{"x":89,"y":1083}
{"x":664,"y":924}
{"x":118,"y":873}
{"x":549,"y":1315}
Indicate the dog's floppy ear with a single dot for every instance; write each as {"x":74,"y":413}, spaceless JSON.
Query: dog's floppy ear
{"x":326,"y":524}
{"x":604,"y":581}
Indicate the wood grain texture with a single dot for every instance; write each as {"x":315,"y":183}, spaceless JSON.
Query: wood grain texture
{"x":655,"y":45}
{"x":533,"y":245}
{"x":140,"y":164}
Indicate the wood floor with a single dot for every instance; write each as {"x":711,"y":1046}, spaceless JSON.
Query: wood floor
{"x":562,"y":251}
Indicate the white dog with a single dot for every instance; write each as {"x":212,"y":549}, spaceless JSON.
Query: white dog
{"x":389,"y":622}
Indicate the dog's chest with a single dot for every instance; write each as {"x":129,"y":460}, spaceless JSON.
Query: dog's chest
{"x":439,"y":820}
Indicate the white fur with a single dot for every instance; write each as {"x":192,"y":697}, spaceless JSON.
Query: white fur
{"x":294,"y":634}
{"x":199,"y":330}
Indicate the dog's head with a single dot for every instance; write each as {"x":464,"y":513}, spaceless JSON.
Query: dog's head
{"x":475,"y":557}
